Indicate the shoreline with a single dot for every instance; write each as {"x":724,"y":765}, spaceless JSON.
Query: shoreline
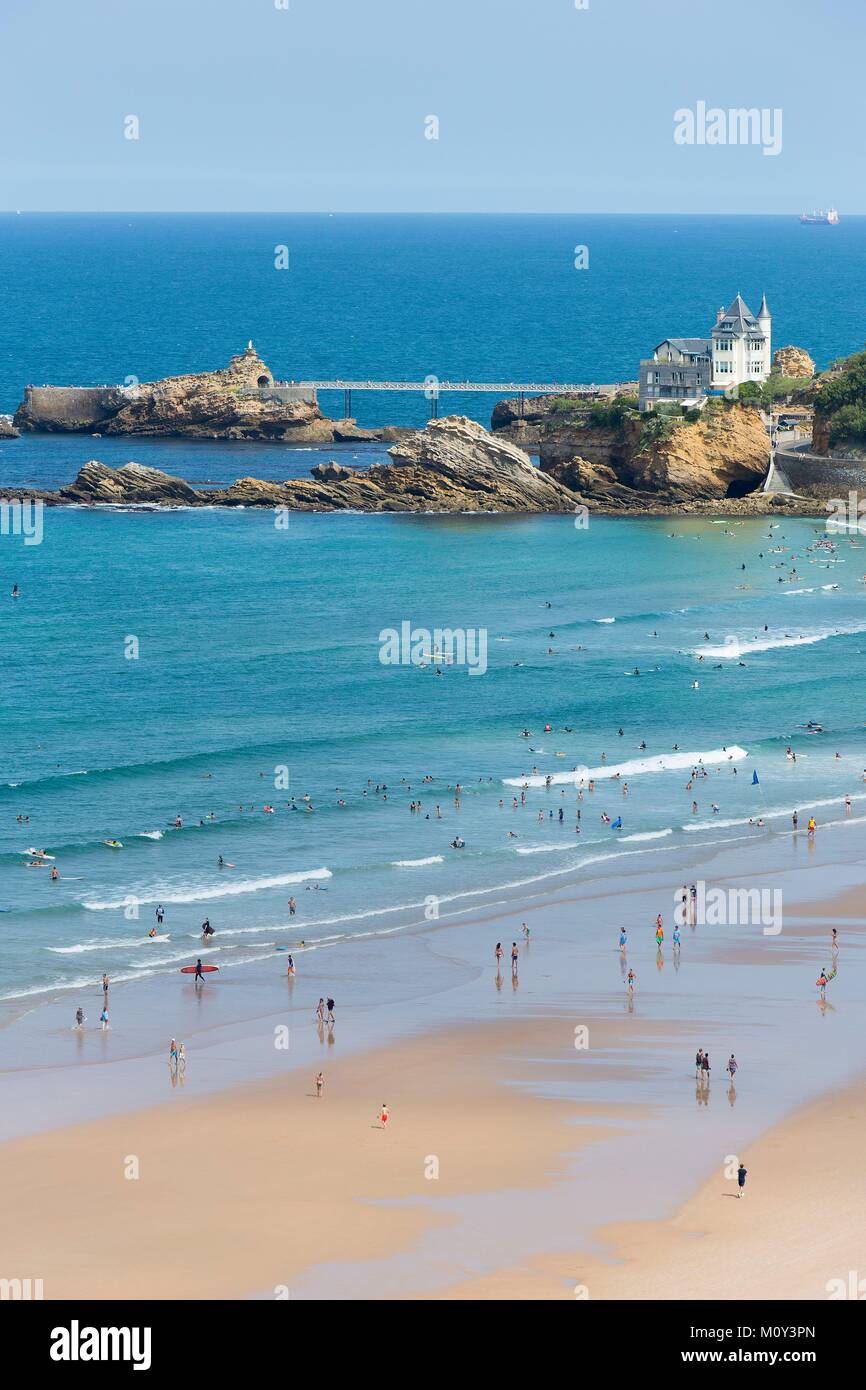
{"x":574,"y":1127}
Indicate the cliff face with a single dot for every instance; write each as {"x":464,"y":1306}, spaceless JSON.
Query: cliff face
{"x":726,"y":450}
{"x":793,"y":362}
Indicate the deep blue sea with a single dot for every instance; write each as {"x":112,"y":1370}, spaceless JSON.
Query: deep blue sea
{"x":258,"y":648}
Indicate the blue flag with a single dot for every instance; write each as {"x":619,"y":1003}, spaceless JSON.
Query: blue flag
{"x":755,"y":778}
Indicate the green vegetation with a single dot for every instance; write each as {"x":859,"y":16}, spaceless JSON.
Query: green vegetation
{"x":609,"y":415}
{"x":841,"y":401}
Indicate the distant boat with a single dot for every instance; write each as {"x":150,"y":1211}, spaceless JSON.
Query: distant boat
{"x":825,"y":219}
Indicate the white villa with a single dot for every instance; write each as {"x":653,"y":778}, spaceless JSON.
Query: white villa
{"x":684,"y":370}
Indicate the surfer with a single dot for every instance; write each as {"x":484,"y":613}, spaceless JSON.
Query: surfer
{"x":206,"y":928}
{"x":152,"y":932}
{"x":220,"y":862}
{"x":160,"y":913}
{"x":55,"y":872}
{"x":199,"y":974}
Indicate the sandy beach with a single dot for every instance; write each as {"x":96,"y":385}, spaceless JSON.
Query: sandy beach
{"x":507,"y":1136}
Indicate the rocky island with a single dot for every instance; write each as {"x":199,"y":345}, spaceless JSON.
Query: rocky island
{"x":240,"y":401}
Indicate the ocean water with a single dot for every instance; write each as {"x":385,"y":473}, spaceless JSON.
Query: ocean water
{"x":259,"y":666}
{"x":258,"y":649}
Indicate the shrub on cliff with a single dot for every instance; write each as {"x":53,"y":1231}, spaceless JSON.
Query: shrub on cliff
{"x":609,"y":415}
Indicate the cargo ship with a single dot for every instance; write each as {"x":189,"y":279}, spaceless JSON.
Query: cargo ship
{"x":826,"y":219}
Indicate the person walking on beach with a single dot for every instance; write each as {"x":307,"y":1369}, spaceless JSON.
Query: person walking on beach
{"x":79,"y":1017}
{"x":631,"y":977}
{"x":498,"y":954}
{"x":699,"y":1063}
{"x":290,"y":970}
{"x":705,"y":1069}
{"x":105,"y":989}
{"x":795,"y":820}
{"x":732,"y":1067}
{"x":172,"y":1053}
{"x":320,"y":1012}
{"x":526,"y":933}
{"x":330,"y":1007}
{"x":821,"y":982}
{"x":514,"y":955}
{"x":811,"y":827}
{"x":384,"y":1117}
{"x":741,"y":1180}
{"x":199,"y":974}
{"x":103,"y":1019}
{"x":660,"y":933}
{"x":320,"y":1082}
{"x":623,"y":938}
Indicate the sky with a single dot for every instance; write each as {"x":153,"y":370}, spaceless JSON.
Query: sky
{"x":330,"y":105}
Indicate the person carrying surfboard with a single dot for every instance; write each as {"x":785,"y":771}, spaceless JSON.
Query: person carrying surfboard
{"x":199,"y":974}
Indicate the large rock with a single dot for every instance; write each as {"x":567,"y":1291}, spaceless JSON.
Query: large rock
{"x":727,"y":450}
{"x":7,"y":429}
{"x":453,"y":465}
{"x":793,"y":362}
{"x":96,"y":482}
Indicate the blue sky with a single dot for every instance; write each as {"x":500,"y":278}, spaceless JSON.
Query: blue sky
{"x":542,"y":107}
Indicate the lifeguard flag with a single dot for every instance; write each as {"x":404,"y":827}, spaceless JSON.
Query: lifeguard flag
{"x":755,"y":778}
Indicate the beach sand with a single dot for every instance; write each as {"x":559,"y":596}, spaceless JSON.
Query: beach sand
{"x":238,"y":1193}
{"x":796,"y":1229}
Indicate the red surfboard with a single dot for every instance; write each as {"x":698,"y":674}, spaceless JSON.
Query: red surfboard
{"x":190,"y":969}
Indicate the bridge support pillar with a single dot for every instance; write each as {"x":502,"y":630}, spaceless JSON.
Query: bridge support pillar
{"x":347,"y":405}
{"x":520,"y":406}
{"x":434,"y":405}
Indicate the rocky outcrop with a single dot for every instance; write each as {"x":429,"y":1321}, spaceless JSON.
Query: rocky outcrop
{"x":133,"y":483}
{"x":453,"y":465}
{"x":523,"y":424}
{"x":725,"y":452}
{"x":793,"y":362}
{"x":7,"y":429}
{"x":240,"y":401}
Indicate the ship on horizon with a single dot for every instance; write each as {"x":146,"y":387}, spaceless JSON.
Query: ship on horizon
{"x":827,"y":219}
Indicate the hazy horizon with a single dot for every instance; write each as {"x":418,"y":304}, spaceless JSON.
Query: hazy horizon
{"x":498,"y":107}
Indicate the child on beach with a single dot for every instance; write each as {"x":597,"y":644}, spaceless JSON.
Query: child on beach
{"x":384,"y":1117}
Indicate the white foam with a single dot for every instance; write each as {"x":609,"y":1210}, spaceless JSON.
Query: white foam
{"x":604,"y":620}
{"x":416,"y":863}
{"x":149,"y":835}
{"x":733,"y":650}
{"x":665,"y":762}
{"x":540,"y":849}
{"x":650,"y":835}
{"x":204,"y":894}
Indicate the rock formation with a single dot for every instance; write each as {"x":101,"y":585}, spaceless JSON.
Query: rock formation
{"x":240,"y":401}
{"x":7,"y":429}
{"x":96,"y":482}
{"x":793,"y":362}
{"x":725,"y":452}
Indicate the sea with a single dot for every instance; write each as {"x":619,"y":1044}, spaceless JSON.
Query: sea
{"x":167,"y":676}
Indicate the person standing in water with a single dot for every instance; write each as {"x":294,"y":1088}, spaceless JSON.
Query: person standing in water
{"x":498,"y":954}
{"x":526,"y":933}
{"x":514,"y":955}
{"x":732,"y":1066}
{"x":320,"y":1012}
{"x":105,"y":989}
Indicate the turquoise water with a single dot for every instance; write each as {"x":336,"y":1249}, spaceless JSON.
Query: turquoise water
{"x":259,"y":647}
{"x":259,"y":653}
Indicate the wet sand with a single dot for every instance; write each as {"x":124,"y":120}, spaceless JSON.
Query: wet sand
{"x":795,"y":1234}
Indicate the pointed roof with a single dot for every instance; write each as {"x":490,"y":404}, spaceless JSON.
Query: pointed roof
{"x":764,"y":311}
{"x":739,"y":310}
